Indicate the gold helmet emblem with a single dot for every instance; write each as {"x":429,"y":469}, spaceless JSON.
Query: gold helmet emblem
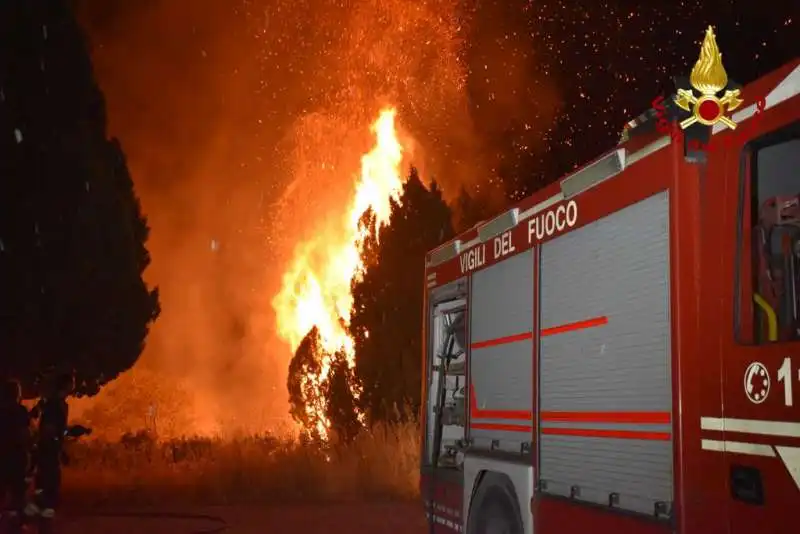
{"x":708,"y":78}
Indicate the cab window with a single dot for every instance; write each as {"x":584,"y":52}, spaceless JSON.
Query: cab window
{"x":769,"y":240}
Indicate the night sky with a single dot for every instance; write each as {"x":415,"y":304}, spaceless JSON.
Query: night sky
{"x":610,"y":61}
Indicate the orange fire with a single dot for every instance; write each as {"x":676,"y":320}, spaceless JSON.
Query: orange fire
{"x":316,"y":287}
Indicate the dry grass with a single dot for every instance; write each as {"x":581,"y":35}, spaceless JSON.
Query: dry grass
{"x":380,"y":463}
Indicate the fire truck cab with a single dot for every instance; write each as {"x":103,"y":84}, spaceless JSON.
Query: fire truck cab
{"x":619,"y":352}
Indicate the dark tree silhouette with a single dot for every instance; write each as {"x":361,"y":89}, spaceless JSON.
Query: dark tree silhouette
{"x":387,"y":309}
{"x":470,"y":210}
{"x":341,"y":406}
{"x":72,"y":234}
{"x":306,"y":400}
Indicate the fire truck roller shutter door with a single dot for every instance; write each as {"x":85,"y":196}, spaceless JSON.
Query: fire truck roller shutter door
{"x":605,"y":372}
{"x":501,"y":326}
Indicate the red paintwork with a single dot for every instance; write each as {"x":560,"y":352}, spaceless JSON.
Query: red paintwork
{"x":603,"y":433}
{"x":707,"y":362}
{"x":448,"y":495}
{"x":653,"y":418}
{"x":783,"y":498}
{"x":556,"y":516}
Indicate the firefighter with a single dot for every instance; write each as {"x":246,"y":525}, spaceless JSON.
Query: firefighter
{"x":52,"y":411}
{"x":15,"y":429}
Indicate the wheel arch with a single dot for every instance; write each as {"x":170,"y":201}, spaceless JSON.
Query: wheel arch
{"x":490,"y":485}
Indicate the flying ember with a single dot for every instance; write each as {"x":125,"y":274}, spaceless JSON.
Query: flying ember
{"x":316,"y":287}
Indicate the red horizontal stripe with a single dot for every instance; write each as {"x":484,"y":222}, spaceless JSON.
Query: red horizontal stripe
{"x":502,"y":340}
{"x":619,"y":434}
{"x":653,"y":418}
{"x":501,"y":426}
{"x":571,"y":327}
{"x":478,"y":413}
{"x":514,"y":415}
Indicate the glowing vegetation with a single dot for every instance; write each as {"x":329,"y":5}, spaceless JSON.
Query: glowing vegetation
{"x":382,"y":463}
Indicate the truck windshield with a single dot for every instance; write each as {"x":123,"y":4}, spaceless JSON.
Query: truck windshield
{"x":773,"y":224}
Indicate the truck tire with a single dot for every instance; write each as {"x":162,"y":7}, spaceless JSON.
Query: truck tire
{"x":497,"y":520}
{"x":496,"y":512}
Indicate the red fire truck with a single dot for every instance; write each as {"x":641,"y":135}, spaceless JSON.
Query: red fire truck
{"x":619,"y":352}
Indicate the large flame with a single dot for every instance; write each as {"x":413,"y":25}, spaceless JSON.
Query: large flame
{"x":708,"y":75}
{"x":316,"y":287}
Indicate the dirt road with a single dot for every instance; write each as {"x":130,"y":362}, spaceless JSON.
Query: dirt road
{"x":360,"y":518}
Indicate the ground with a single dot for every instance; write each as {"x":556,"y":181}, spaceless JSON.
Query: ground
{"x":353,"y":518}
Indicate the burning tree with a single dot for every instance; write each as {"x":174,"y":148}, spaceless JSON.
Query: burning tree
{"x":314,"y":304}
{"x":353,"y":319}
{"x":384,"y":323}
{"x":306,"y":400}
{"x":320,"y":391}
{"x":72,"y":235}
{"x":387,"y":300}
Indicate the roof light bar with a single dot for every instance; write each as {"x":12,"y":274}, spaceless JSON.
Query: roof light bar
{"x":499,"y":224}
{"x":588,"y":177}
{"x":444,"y":253}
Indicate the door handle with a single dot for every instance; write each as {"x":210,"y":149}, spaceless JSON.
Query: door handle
{"x":746,"y":485}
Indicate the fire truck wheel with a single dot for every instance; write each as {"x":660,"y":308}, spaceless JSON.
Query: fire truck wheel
{"x":498,"y":520}
{"x":496,"y":511}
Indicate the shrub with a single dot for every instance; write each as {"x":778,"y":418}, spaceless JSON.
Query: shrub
{"x":381,"y":463}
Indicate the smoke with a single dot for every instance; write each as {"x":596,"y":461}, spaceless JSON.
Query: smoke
{"x":244,"y":121}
